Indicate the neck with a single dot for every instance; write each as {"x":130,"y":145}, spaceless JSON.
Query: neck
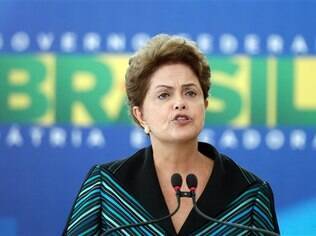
{"x":180,"y":157}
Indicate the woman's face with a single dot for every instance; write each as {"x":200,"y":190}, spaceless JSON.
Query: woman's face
{"x":174,"y":106}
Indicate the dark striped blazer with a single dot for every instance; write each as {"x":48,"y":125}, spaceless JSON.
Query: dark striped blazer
{"x":127,"y":191}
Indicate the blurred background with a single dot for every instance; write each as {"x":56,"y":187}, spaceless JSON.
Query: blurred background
{"x":63,"y":105}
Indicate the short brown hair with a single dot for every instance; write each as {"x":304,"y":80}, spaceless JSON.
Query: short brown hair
{"x":160,"y":50}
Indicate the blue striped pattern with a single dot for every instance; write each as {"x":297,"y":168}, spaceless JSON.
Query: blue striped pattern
{"x":103,"y":204}
{"x":251,"y":208}
{"x":101,"y":197}
{"x":84,"y":217}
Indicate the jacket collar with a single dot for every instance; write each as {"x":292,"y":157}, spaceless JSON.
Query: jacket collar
{"x":138,"y":176}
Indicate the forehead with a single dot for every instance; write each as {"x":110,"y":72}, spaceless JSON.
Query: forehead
{"x":173,"y":74}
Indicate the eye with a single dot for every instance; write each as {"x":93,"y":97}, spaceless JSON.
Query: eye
{"x":191,"y":93}
{"x":163,"y":96}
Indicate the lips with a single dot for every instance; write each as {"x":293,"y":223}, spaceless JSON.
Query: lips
{"x":182,"y":118}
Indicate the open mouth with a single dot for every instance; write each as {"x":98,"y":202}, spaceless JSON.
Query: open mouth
{"x":182,"y":119}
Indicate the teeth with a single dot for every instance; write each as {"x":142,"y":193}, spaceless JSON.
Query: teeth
{"x":181,"y":118}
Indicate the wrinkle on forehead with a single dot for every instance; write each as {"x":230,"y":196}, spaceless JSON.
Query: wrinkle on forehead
{"x":173,"y":75}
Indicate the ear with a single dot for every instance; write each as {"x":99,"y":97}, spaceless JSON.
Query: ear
{"x":206,"y":103}
{"x":137,"y":113}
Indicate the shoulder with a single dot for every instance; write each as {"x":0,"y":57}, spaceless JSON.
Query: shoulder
{"x":227,"y":169}
{"x":234,"y":170}
{"x":128,"y":164}
{"x":250,"y":187}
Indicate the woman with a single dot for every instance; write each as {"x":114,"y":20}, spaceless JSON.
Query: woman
{"x":167,"y":86}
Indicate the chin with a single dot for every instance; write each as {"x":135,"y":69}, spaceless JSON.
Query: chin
{"x":184,"y":136}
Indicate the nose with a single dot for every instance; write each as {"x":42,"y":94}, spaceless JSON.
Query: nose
{"x":179,"y":106}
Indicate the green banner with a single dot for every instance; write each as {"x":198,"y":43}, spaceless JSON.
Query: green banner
{"x":89,"y":89}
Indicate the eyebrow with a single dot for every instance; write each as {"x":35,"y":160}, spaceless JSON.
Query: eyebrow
{"x":170,"y":87}
{"x":189,"y":85}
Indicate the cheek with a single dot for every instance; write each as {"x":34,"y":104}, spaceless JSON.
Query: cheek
{"x":201,"y":112}
{"x":201,"y":107}
{"x":156,"y":113}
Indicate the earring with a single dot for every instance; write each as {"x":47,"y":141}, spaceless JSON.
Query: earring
{"x":146,"y":129}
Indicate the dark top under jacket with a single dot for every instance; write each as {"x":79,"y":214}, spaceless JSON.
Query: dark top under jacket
{"x":127,"y":191}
